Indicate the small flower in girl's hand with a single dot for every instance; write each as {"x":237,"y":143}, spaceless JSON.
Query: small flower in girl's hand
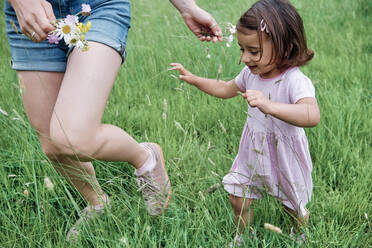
{"x":71,"y":30}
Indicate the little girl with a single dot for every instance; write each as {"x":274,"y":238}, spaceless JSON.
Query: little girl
{"x":273,"y":156}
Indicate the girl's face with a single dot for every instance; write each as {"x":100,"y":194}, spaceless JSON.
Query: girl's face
{"x":250,"y":53}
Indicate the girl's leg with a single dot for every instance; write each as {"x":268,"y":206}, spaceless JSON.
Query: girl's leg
{"x":39,"y":96}
{"x":297,"y":220}
{"x":242,"y":211}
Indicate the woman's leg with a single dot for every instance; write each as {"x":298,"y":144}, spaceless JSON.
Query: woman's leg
{"x":242,"y":210}
{"x":77,"y":132}
{"x":39,"y":96}
{"x":76,"y":127}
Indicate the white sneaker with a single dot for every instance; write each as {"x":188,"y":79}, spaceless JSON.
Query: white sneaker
{"x":155,"y":186}
{"x":86,"y":214}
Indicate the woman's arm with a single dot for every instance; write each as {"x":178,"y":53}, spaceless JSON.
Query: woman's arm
{"x":304,"y":113}
{"x":200,"y":22}
{"x":213,"y":87}
{"x":184,"y":5}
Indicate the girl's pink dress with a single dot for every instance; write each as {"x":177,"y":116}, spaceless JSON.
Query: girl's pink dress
{"x":273,"y":155}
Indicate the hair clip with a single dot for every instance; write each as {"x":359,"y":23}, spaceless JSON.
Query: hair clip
{"x":264,"y":26}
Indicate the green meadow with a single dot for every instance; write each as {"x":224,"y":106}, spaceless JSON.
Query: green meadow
{"x":200,"y":137}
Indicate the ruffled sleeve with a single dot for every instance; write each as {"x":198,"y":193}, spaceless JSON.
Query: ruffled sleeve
{"x":242,"y":79}
{"x":300,"y":87}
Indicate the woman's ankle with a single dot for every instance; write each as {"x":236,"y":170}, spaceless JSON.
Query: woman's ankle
{"x":96,"y":199}
{"x":141,"y":158}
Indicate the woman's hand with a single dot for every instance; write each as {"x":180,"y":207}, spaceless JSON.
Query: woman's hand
{"x":202,"y":24}
{"x":34,"y":18}
{"x":185,"y":75}
{"x":257,"y":99}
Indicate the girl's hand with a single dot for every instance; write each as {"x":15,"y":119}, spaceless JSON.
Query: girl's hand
{"x":185,"y":74}
{"x":257,"y":99}
{"x":34,"y":18}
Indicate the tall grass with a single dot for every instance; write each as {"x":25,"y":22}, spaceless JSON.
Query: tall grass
{"x":198,"y":151}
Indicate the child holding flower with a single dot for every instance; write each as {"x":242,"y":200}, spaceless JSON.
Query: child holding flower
{"x":273,"y":156}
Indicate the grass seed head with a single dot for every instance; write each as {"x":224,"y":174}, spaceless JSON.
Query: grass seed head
{"x":272,"y":228}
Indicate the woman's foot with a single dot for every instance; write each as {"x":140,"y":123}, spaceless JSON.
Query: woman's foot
{"x":86,"y":214}
{"x":153,"y":181}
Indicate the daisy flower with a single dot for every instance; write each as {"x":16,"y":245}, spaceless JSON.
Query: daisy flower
{"x":72,"y":39}
{"x":65,"y":30}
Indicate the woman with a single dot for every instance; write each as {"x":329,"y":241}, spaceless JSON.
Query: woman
{"x":66,"y":92}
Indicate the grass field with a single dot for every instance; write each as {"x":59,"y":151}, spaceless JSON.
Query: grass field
{"x":200,"y":137}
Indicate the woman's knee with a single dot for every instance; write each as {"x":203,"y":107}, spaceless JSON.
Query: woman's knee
{"x":48,"y":148}
{"x":73,"y":141}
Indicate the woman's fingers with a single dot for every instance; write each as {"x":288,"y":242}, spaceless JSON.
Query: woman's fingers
{"x":49,"y":12}
{"x":43,"y":22}
{"x":216,"y":31}
{"x":34,"y":18}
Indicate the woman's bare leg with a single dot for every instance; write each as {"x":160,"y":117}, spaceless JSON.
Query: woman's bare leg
{"x":40,"y":91}
{"x":76,"y":130}
{"x":76,"y":126}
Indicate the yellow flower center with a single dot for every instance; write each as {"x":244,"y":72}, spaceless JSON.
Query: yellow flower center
{"x":66,"y":29}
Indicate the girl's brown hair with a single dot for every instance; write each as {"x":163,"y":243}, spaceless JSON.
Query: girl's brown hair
{"x":283,"y":26}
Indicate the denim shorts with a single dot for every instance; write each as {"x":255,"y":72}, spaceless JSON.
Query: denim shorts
{"x":110,"y":24}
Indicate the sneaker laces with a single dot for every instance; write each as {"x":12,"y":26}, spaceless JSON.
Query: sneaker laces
{"x":150,"y":190}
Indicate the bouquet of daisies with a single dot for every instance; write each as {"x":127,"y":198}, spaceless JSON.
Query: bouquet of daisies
{"x":71,"y":30}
